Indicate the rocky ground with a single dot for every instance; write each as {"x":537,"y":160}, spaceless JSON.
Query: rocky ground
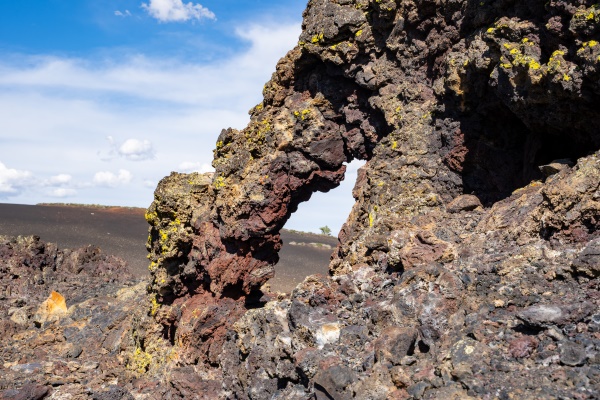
{"x":469,"y":266}
{"x":64,"y":319}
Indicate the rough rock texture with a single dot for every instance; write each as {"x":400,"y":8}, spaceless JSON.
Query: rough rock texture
{"x":508,"y":313}
{"x":65,"y":319}
{"x":469,"y":265}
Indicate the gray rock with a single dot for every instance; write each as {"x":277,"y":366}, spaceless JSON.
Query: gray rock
{"x":588,"y":261}
{"x":73,"y":351}
{"x":332,"y":382}
{"x":541,"y":315}
{"x":572,"y":354}
{"x":113,"y":393}
{"x":465,"y":202}
{"x":30,"y":391}
{"x":394,"y":344}
{"x":418,"y":389}
{"x":556,"y":166}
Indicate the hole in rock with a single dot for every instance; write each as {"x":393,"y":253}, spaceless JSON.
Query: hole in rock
{"x":306,"y":251}
{"x":495,"y":152}
{"x":423,"y":347}
{"x":169,"y":333}
{"x":528,"y":329}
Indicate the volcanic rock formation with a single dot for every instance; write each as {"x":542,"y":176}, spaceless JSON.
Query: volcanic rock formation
{"x":458,"y":231}
{"x":469,"y":266}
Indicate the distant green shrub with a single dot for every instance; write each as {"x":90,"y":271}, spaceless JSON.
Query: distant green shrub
{"x":325,"y":230}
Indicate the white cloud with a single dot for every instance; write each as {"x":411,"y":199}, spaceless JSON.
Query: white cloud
{"x":189,"y":166}
{"x":60,"y":179}
{"x":177,"y":11}
{"x":12,"y":180}
{"x":137,"y":150}
{"x":62,"y":192}
{"x":123,"y":14}
{"x":130,"y":149}
{"x":225,"y":85}
{"x":109,"y":179}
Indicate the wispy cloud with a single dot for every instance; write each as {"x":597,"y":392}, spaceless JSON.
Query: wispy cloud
{"x":189,"y":166}
{"x":123,"y":14}
{"x":223,"y":84}
{"x":60,"y":179}
{"x":62,"y":192}
{"x":177,"y":11}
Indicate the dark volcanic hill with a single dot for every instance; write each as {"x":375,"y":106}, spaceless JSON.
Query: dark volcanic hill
{"x":469,"y":266}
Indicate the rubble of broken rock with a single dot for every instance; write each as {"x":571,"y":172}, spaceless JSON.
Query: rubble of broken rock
{"x":64,"y":319}
{"x":469,"y":266}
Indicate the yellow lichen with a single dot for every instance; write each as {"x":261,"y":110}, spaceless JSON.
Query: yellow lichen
{"x":317,"y":38}
{"x":554,"y":61}
{"x":302,"y":114}
{"x":150,"y":216}
{"x":140,"y":361}
{"x":219,"y":182}
{"x":518,"y":59}
{"x":163,"y":235}
{"x":358,"y":33}
{"x":587,"y":15}
{"x":155,"y":305}
{"x":534,"y":64}
{"x":256,"y":132}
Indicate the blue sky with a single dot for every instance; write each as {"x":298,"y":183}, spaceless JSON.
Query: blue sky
{"x":101,"y":99}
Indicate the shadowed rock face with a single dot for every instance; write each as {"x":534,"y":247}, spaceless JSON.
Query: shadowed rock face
{"x":464,"y":270}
